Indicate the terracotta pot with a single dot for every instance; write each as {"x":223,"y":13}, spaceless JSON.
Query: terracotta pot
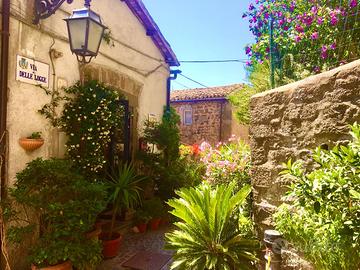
{"x":30,"y":144}
{"x":94,"y":234}
{"x":63,"y":266}
{"x":142,"y":227}
{"x":154,"y":223}
{"x":110,"y":246}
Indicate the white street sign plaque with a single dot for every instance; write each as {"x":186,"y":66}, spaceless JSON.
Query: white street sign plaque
{"x":31,"y":71}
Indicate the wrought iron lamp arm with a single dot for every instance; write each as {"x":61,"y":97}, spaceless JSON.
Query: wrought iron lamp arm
{"x":45,"y":8}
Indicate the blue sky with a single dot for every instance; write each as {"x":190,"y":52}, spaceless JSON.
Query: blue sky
{"x":204,"y":30}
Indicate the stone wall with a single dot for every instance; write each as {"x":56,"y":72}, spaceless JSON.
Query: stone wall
{"x":205,"y":125}
{"x":288,"y":121}
{"x":212,"y":121}
{"x":134,"y":64}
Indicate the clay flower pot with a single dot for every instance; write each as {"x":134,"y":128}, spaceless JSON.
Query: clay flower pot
{"x":63,"y":266}
{"x":142,"y":227}
{"x":155,"y":223}
{"x":110,"y":246}
{"x":94,"y":234}
{"x":31,"y":144}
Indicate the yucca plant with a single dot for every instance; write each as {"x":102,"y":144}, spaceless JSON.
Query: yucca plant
{"x":208,"y":235}
{"x":124,"y":188}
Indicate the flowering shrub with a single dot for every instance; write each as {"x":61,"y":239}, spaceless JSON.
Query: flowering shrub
{"x":319,"y":34}
{"x":89,"y":119}
{"x":321,"y":213}
{"x":227,"y":162}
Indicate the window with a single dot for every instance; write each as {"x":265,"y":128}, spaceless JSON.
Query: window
{"x":187,"y":117}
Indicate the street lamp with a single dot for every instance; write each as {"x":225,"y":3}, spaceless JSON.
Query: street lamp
{"x":85,"y":31}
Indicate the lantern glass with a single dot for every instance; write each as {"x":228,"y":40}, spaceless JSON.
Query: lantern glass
{"x":77,"y":32}
{"x":95,"y":35}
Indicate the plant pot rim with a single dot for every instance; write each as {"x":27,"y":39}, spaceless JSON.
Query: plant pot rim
{"x":116,"y":237}
{"x":30,"y":139}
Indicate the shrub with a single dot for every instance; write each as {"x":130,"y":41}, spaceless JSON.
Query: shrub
{"x":313,"y":32}
{"x":90,"y":118}
{"x":49,"y":197}
{"x":322,"y":215}
{"x":162,"y":161}
{"x":228,"y":162}
{"x":208,"y":235}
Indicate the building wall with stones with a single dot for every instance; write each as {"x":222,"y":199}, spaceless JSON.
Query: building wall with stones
{"x":131,"y":62}
{"x":212,"y":121}
{"x":288,"y":121}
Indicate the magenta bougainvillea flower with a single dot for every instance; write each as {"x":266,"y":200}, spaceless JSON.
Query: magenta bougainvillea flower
{"x":313,"y":31}
{"x":353,"y":3}
{"x":315,"y":35}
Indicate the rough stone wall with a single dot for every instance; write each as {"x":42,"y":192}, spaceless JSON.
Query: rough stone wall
{"x":205,"y":125}
{"x":212,"y":121}
{"x":288,"y":121}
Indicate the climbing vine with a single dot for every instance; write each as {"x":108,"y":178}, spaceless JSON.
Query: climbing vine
{"x":89,"y":119}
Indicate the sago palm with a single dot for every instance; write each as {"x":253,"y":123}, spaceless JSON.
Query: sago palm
{"x":208,"y":235}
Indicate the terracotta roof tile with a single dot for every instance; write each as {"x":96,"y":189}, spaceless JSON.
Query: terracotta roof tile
{"x":204,"y":93}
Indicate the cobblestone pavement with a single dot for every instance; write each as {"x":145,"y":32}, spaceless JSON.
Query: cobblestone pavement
{"x":135,"y":242}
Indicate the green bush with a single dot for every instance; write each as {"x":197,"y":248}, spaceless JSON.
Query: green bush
{"x":322,"y":215}
{"x":208,"y":235}
{"x":162,"y":160}
{"x":90,"y":117}
{"x":50,"y":198}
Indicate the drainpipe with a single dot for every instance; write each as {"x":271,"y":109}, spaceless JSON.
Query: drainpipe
{"x":173,"y":76}
{"x":4,"y":86}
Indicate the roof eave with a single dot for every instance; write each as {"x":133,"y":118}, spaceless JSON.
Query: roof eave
{"x":139,"y":10}
{"x":198,"y":100}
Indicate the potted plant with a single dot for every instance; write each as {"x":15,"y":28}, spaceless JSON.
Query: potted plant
{"x":155,"y":208}
{"x":60,"y":206}
{"x":124,"y":192}
{"x":32,"y":142}
{"x":141,"y":218}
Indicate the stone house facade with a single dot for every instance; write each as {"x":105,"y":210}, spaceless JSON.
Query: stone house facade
{"x":207,"y":115}
{"x":136,"y":62}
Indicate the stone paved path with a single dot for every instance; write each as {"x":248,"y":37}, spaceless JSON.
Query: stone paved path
{"x":135,"y":242}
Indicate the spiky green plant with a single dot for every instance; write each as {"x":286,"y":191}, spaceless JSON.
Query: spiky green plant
{"x":208,"y":235}
{"x":124,"y":188}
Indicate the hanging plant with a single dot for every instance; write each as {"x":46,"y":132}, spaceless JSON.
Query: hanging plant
{"x":89,"y":119}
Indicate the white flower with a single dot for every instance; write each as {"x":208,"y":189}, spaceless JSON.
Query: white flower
{"x":71,"y":134}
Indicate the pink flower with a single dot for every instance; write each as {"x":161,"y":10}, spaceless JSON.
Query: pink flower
{"x":333,"y":46}
{"x":320,"y":20}
{"x":324,"y":52}
{"x":316,"y":69}
{"x":314,"y":35}
{"x":314,"y":9}
{"x":333,"y":17}
{"x":299,"y":28}
{"x":353,"y":3}
{"x":204,"y":146}
{"x":297,"y":39}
